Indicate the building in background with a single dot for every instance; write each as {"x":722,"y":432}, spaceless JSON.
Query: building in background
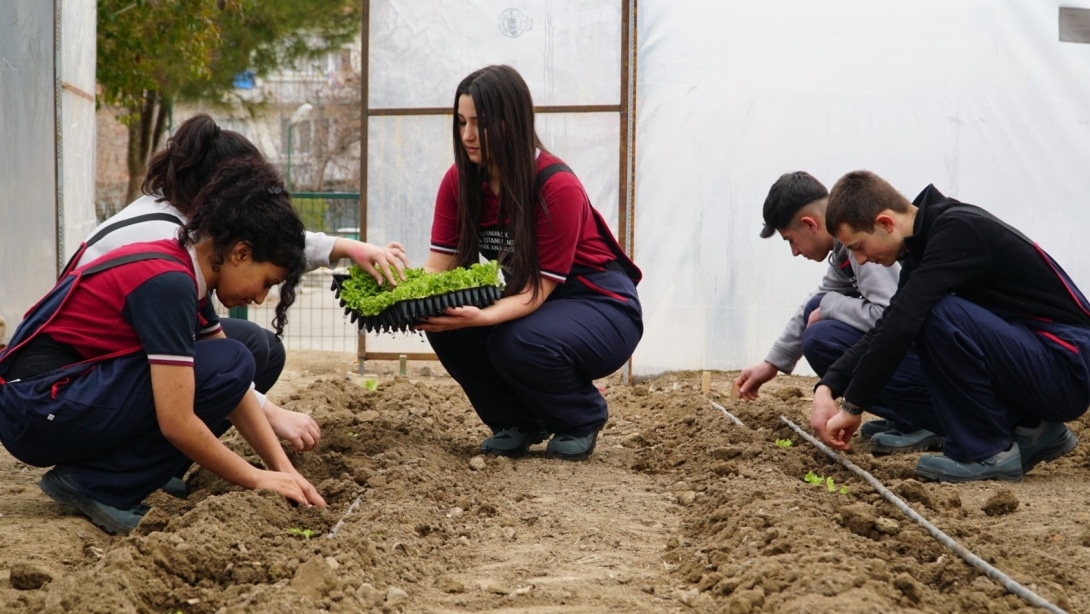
{"x":317,"y":152}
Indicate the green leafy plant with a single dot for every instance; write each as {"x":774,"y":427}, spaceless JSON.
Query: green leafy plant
{"x":813,"y":478}
{"x":306,"y":533}
{"x":784,"y":443}
{"x":362,"y":294}
{"x":371,"y":384}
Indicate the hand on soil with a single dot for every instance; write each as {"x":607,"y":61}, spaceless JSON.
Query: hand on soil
{"x":292,"y":485}
{"x":296,"y":428}
{"x":825,"y":419}
{"x":748,"y":383}
{"x":840,"y":429}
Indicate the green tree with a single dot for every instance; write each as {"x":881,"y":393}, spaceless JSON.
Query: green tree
{"x":152,"y":53}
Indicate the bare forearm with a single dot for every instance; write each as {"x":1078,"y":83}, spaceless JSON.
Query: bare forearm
{"x":253,"y":425}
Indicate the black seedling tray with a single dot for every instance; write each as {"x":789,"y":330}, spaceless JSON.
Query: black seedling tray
{"x":403,"y":315}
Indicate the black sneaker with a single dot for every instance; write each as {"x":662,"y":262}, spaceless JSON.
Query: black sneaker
{"x":1047,"y":442}
{"x":110,"y":519}
{"x":571,"y":447}
{"x":513,"y":442}
{"x":1005,"y":466}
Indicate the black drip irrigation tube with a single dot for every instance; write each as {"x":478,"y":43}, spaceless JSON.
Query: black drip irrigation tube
{"x":973,"y":560}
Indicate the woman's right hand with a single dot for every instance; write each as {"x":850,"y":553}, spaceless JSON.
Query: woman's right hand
{"x":292,"y":485}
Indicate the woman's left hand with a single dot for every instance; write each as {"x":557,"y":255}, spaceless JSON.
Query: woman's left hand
{"x":452,"y":319}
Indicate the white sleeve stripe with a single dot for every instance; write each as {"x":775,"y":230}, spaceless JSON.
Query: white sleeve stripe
{"x":170,"y":359}
{"x":445,"y":250}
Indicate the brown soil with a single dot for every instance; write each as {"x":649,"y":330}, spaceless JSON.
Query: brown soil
{"x":679,"y":510}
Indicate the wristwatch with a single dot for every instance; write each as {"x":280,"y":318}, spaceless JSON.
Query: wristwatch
{"x":850,"y":407}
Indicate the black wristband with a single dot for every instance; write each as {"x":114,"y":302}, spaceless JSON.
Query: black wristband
{"x":850,"y":407}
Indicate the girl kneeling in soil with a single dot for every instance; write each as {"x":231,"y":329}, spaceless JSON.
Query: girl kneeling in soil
{"x":570,"y":312}
{"x":176,"y":174}
{"x":110,"y":376}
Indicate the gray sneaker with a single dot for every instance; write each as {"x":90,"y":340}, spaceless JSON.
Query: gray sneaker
{"x":67,"y":492}
{"x":513,"y":442}
{"x":871,"y":428}
{"x":1047,"y":442}
{"x":896,"y":442}
{"x":1005,"y":466}
{"x":571,"y":447}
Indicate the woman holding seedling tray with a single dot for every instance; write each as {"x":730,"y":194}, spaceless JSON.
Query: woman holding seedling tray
{"x":569,"y":312}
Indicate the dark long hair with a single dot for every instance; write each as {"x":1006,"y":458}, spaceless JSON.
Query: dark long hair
{"x":181,"y":169}
{"x":245,"y":200}
{"x":505,"y":123}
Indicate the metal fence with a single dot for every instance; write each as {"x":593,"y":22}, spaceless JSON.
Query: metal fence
{"x":316,"y":321}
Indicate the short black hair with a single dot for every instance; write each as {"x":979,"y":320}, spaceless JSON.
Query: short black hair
{"x":791,"y":192}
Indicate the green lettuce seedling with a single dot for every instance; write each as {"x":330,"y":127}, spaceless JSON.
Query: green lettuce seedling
{"x":784,"y":443}
{"x":813,"y":478}
{"x":362,"y":294}
{"x":371,"y":384}
{"x":307,"y":533}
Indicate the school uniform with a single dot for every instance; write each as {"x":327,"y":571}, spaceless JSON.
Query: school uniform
{"x":537,"y":372}
{"x":75,"y":383}
{"x":149,"y":218}
{"x":1002,"y":332}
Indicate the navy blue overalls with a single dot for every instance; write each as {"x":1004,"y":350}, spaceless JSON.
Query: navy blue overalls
{"x":904,"y":400}
{"x":95,"y":420}
{"x":537,"y":372}
{"x":989,"y":372}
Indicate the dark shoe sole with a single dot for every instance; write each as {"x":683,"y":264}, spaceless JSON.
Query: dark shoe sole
{"x":932,"y":443}
{"x":1002,"y":476}
{"x":68,"y":495}
{"x":1066,"y":444}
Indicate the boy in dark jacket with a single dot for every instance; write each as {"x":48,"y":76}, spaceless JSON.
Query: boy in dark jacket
{"x":1002,"y":332}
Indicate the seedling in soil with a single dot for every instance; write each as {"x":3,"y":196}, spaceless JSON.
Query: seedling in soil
{"x":371,"y":384}
{"x":813,"y":478}
{"x":784,"y":443}
{"x":306,"y":533}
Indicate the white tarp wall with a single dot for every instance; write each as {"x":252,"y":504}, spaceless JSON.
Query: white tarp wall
{"x":47,"y":128}
{"x":978,"y":97}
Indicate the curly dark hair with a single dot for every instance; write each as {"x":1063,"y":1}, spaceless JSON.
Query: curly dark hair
{"x":245,"y":200}
{"x":180,"y":170}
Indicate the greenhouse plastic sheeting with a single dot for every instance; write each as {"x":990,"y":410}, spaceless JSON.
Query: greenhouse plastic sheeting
{"x":979,"y":97}
{"x":47,"y":68}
